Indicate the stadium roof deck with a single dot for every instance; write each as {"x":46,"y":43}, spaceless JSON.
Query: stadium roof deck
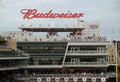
{"x":48,"y":29}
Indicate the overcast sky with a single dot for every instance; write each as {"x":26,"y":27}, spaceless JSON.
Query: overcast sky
{"x":106,"y":12}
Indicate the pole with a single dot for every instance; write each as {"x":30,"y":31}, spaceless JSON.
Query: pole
{"x":116,"y":51}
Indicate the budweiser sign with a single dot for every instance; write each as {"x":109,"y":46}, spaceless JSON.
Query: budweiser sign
{"x":33,"y":13}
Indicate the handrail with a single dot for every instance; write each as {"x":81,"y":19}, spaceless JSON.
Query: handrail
{"x":70,"y":75}
{"x":85,"y":52}
{"x":85,"y":63}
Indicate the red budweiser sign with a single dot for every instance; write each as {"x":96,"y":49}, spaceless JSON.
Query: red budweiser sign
{"x":33,"y":13}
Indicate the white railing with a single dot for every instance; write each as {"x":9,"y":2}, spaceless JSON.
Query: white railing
{"x":70,"y":75}
{"x":85,"y":63}
{"x":89,"y":75}
{"x":87,"y":38}
{"x":86,"y":52}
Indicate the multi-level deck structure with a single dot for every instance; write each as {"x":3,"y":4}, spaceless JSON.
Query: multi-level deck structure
{"x":11,"y":59}
{"x":78,"y":55}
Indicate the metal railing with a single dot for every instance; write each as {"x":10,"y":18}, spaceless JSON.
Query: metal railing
{"x":85,"y":63}
{"x":88,"y":75}
{"x":86,"y":52}
{"x":62,"y":75}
